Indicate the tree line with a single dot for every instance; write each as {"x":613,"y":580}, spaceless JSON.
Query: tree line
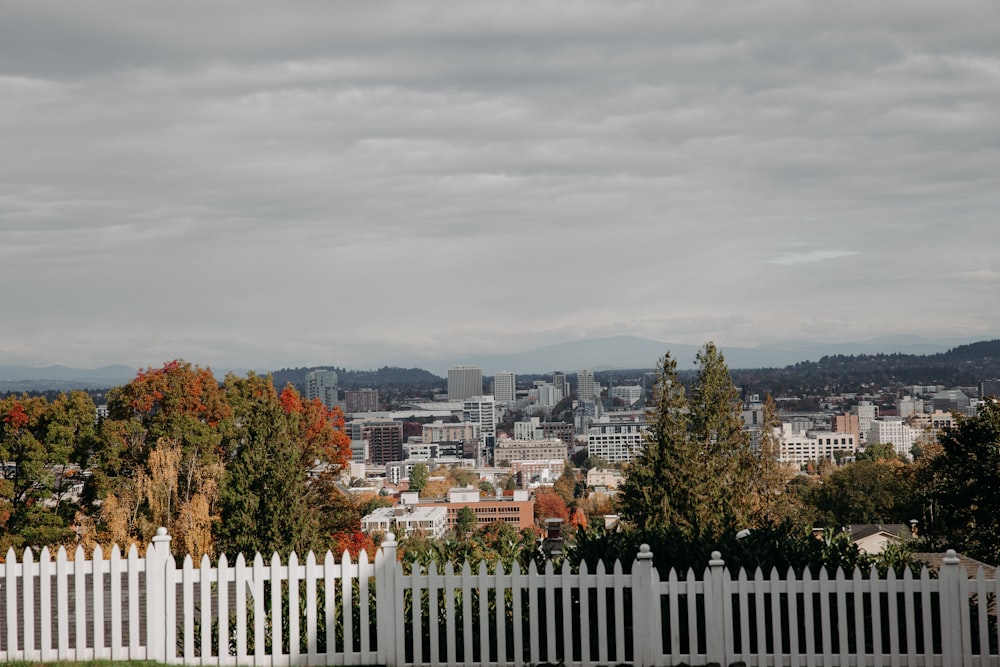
{"x":231,"y":466}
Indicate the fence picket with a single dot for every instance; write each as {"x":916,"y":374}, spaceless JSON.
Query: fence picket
{"x":365,"y":655}
{"x":467,"y":614}
{"x":585,"y":653}
{"x":117,"y":615}
{"x":673,"y":601}
{"x":62,"y":606}
{"x":28,"y":606}
{"x":484,"y":616}
{"x":79,"y":568}
{"x":566,"y":599}
{"x":10,"y":593}
{"x":500,"y":585}
{"x":843,"y":650}
{"x":550,"y":614}
{"x":223,"y":573}
{"x":132,"y":568}
{"x":451,"y":634}
{"x":791,"y":594}
{"x":98,"y":564}
{"x":808,"y":616}
{"x":533,"y":616}
{"x":893,"y":616}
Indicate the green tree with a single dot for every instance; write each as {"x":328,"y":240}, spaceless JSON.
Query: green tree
{"x":38,"y":442}
{"x":878,"y":451}
{"x":960,"y":486}
{"x":465,"y":521}
{"x":418,"y":477}
{"x":866,"y":491}
{"x":263,"y":500}
{"x":769,"y":477}
{"x":693,"y":476}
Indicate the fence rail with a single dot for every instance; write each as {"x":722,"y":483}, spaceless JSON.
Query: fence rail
{"x":339,"y":612}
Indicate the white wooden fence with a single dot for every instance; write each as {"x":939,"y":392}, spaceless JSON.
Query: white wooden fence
{"x":366,"y":613}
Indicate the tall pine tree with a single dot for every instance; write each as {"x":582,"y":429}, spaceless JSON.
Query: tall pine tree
{"x":692,"y":478}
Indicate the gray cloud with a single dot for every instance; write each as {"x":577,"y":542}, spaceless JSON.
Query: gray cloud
{"x":247,"y":184}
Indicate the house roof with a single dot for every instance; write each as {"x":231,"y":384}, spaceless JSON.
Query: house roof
{"x":970,"y":566}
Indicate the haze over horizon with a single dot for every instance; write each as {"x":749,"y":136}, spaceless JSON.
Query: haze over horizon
{"x":254,"y":185}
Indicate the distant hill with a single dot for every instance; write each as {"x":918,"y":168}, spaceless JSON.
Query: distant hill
{"x":635,"y":352}
{"x":964,"y":365}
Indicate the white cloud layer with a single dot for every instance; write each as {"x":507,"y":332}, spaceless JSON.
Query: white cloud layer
{"x":260,"y":184}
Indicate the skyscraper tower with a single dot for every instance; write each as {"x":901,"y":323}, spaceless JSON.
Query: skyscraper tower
{"x":322,"y":384}
{"x":504,"y":387}
{"x":464,"y":381}
{"x":561,"y":385}
{"x":586,"y":387}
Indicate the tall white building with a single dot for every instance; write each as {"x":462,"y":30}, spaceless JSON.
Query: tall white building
{"x":586,"y":387}
{"x":504,"y":387}
{"x":464,"y":381}
{"x":894,"y":431}
{"x":867,"y":412}
{"x":481,"y":410}
{"x":322,"y":384}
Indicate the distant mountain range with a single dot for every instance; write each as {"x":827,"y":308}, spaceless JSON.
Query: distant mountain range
{"x":615,"y":352}
{"x":635,"y":352}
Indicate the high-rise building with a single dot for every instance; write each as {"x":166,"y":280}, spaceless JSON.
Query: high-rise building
{"x":383,"y":436}
{"x":322,"y":384}
{"x":463,"y":382}
{"x":361,"y":400}
{"x":504,"y":387}
{"x":561,"y":385}
{"x":586,"y":386}
{"x":481,"y":410}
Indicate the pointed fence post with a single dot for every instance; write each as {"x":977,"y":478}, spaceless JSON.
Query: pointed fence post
{"x":156,"y":596}
{"x":644,"y":601}
{"x":954,"y":610}
{"x":716,"y":632}
{"x":386,"y":610}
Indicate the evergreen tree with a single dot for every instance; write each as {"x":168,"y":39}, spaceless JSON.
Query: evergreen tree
{"x":263,"y":499}
{"x":418,"y":477}
{"x":692,"y":479}
{"x":960,"y":486}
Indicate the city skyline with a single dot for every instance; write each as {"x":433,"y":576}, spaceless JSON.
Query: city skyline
{"x":337,"y":184}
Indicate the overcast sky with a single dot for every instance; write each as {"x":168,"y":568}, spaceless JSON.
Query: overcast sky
{"x":281,"y":184}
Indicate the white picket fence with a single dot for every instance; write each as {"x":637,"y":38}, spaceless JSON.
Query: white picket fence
{"x":338,"y":612}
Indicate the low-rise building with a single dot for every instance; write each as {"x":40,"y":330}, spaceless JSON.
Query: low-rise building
{"x":801,"y":448}
{"x":406,"y":520}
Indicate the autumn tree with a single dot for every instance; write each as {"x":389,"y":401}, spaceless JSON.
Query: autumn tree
{"x":565,"y":485}
{"x":549,"y":505}
{"x":159,"y":457}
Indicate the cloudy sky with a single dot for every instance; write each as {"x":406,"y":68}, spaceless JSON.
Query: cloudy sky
{"x":280,"y":184}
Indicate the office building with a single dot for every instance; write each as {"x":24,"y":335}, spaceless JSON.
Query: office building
{"x":384,"y":438}
{"x":504,"y":387}
{"x":361,"y":400}
{"x":464,"y":381}
{"x":560,"y":383}
{"x":587,"y":389}
{"x":322,"y":385}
